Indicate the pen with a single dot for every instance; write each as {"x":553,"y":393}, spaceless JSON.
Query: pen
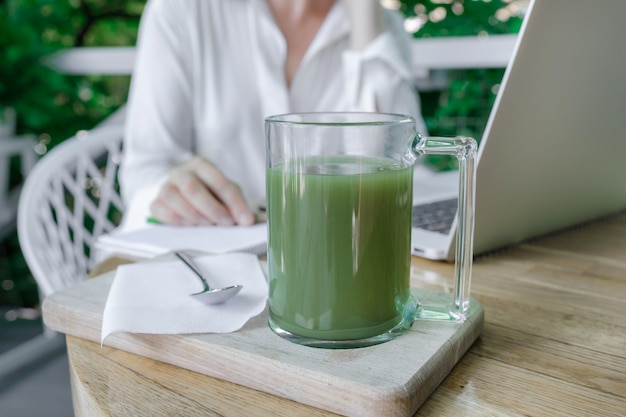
{"x":260,"y":216}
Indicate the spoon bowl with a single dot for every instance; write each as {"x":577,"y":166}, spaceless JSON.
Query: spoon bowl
{"x":208,"y":295}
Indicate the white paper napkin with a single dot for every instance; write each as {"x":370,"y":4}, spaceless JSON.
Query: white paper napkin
{"x":154,"y":297}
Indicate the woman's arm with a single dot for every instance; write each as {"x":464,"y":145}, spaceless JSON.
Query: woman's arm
{"x":159,"y":173}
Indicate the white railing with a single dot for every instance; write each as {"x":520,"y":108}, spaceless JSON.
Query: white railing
{"x":493,"y":51}
{"x":115,"y":60}
{"x":430,"y":58}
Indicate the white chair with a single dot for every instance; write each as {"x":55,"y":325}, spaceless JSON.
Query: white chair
{"x":69,"y":199}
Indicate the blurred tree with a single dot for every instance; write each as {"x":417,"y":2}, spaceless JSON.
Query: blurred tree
{"x":51,"y":105}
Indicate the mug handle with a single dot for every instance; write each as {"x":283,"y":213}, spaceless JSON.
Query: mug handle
{"x":464,"y":148}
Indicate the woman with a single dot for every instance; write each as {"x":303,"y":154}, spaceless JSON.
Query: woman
{"x":207,"y":74}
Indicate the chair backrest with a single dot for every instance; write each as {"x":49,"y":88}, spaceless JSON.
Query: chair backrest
{"x":69,"y":199}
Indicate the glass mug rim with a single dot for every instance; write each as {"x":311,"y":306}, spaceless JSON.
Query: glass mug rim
{"x":340,"y":119}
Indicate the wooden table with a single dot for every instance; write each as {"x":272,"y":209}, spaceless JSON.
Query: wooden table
{"x":554,"y":343}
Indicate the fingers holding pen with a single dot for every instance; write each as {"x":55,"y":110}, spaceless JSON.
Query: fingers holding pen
{"x":197,"y":193}
{"x":225,"y":191}
{"x":173,"y":207}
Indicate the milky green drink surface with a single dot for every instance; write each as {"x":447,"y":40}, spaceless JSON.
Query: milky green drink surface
{"x":339,"y":246}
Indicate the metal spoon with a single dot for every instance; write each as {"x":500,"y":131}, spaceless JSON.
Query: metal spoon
{"x":208,"y":295}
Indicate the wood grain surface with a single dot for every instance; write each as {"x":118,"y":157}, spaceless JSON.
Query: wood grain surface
{"x":390,"y":379}
{"x":553,"y":344}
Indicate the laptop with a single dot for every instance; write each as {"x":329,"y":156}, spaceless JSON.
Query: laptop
{"x":553,"y":154}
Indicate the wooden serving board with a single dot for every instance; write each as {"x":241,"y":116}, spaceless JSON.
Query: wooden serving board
{"x":390,"y":379}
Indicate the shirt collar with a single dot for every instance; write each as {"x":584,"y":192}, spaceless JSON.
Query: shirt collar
{"x":335,"y":27}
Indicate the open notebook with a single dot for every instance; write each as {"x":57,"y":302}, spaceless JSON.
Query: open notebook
{"x":157,"y":240}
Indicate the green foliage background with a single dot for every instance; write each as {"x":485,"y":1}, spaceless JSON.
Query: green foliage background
{"x":51,"y":105}
{"x":55,"y":106}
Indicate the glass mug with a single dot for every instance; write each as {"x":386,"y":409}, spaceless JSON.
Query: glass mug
{"x":339,"y":206}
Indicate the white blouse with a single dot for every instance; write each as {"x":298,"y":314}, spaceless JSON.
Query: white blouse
{"x":208,"y":72}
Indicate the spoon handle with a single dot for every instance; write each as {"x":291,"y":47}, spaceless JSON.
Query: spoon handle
{"x":193,"y":266}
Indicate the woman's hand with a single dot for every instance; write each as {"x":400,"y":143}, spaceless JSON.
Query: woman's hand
{"x":366,"y":22}
{"x":197,"y":193}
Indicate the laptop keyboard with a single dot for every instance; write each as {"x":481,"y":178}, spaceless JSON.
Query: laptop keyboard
{"x":435,"y":217}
